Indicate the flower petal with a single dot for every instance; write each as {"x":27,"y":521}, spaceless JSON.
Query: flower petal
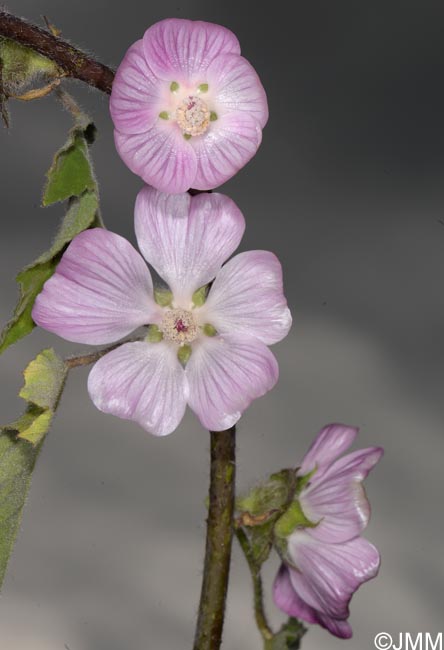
{"x":231,"y":142}
{"x":160,"y":156}
{"x":143,"y":382}
{"x":288,"y":601}
{"x":181,"y":50}
{"x":235,"y":86}
{"x":101,"y":291}
{"x":136,"y":97}
{"x":225,"y":374}
{"x":330,"y":443}
{"x":329,"y":574}
{"x":247,"y":298}
{"x":187,"y":239}
{"x":338,"y":500}
{"x":341,"y":629}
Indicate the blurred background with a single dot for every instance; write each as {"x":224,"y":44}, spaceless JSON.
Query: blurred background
{"x":347,"y":190}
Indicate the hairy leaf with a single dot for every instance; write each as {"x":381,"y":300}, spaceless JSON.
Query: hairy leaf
{"x":289,"y":636}
{"x":71,"y":177}
{"x":44,"y":380}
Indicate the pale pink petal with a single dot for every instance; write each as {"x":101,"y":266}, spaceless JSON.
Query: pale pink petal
{"x":101,"y":291}
{"x":136,"y":98}
{"x":225,"y":374}
{"x":235,"y":86}
{"x":143,"y":382}
{"x":288,"y":601}
{"x":330,"y":443}
{"x":340,"y":628}
{"x":187,"y":239}
{"x":160,"y":156}
{"x":329,"y":574}
{"x":231,"y":142}
{"x":247,"y":298}
{"x":181,"y":50}
{"x":337,"y":500}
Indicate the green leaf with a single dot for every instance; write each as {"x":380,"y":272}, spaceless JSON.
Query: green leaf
{"x":71,"y":172}
{"x":70,"y":177}
{"x":44,"y":380}
{"x":289,"y":636}
{"x":17,"y":460}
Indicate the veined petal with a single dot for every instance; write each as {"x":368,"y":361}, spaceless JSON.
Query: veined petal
{"x":329,"y":574}
{"x":286,"y":598}
{"x":340,"y":628}
{"x":337,"y":500}
{"x":136,"y":97}
{"x":143,"y":382}
{"x":247,"y":298}
{"x":181,"y":50}
{"x":328,"y":445}
{"x":231,"y":142}
{"x":160,"y":155}
{"x":236,"y":86}
{"x":225,"y":374}
{"x":187,"y":239}
{"x":101,"y":291}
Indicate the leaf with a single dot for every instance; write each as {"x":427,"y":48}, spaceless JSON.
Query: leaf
{"x":71,"y":176}
{"x":44,"y":380}
{"x":17,"y":460}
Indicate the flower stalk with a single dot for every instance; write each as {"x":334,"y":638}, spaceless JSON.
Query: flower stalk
{"x":218,"y":541}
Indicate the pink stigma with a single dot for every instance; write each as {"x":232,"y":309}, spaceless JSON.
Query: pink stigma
{"x":180,"y":326}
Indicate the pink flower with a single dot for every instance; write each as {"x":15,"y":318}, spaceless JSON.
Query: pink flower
{"x":102,"y":291}
{"x":326,"y":563}
{"x":188,"y":109}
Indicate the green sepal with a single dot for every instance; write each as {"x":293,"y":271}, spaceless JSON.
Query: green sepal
{"x":261,"y":541}
{"x":187,"y":136}
{"x":209,"y":330}
{"x":164,"y":115}
{"x":163,"y":297}
{"x":292,"y":519}
{"x":184,"y":353}
{"x":200,"y":296}
{"x":154,"y":334}
{"x":174,"y":86}
{"x":20,"y":65}
{"x":203,"y":88}
{"x":289,"y":636}
{"x":82,"y":213}
{"x":273,"y":496}
{"x":213,"y":116}
{"x":303,"y":481}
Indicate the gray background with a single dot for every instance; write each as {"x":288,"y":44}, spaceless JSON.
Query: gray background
{"x":347,"y":190}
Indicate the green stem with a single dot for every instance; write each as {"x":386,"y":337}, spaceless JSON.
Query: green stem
{"x":219,"y":541}
{"x":259,"y":611}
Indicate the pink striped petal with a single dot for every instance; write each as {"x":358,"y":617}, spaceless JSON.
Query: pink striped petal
{"x":328,"y":445}
{"x":247,"y":298}
{"x":187,"y":239}
{"x":143,"y":382}
{"x":101,"y":291}
{"x":181,"y":50}
{"x":225,"y":374}
{"x":287,"y":599}
{"x":231,"y":142}
{"x":137,"y":96}
{"x":329,"y":574}
{"x":337,"y":500}
{"x":341,"y":629}
{"x":160,"y":155}
{"x":235,"y":86}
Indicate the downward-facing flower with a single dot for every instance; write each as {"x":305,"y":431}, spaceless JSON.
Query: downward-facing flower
{"x":325,"y":558}
{"x":210,"y":353}
{"x":188,"y":109}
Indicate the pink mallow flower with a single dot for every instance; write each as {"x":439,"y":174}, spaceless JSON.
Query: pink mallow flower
{"x":188,"y":109}
{"x":211,"y":354}
{"x":325,"y":562}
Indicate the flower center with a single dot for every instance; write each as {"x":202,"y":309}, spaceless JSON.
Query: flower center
{"x":193,"y":116}
{"x":179,"y":326}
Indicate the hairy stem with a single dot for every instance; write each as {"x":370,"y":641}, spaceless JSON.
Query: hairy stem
{"x":259,"y":611}
{"x":219,"y":540}
{"x":68,"y":58}
{"x":92,"y":357}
